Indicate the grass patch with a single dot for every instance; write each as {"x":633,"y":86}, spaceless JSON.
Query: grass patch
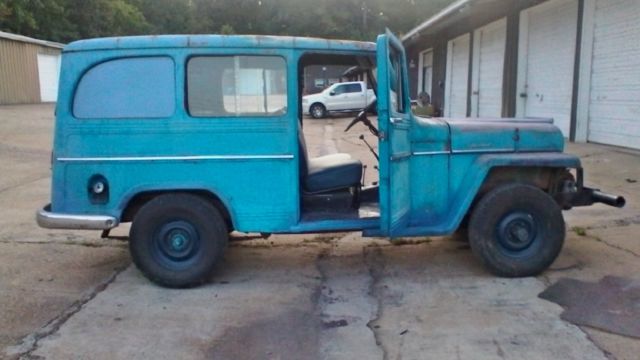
{"x":580,"y":231}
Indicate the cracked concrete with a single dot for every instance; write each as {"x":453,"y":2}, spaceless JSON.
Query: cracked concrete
{"x":30,"y":342}
{"x":375,"y":263}
{"x":618,"y":247}
{"x":346,"y":306}
{"x":331,"y":296}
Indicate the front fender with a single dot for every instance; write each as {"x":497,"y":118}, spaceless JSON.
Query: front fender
{"x":476,"y":175}
{"x":483,"y":165}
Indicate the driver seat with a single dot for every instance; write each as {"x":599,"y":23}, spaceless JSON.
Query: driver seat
{"x":327,"y":173}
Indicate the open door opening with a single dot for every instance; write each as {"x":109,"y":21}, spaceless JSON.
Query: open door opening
{"x":338,"y":169}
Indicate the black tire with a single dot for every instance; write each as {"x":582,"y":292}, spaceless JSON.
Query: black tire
{"x":177,"y":239}
{"x":516,"y":230}
{"x":461,"y":235}
{"x":318,"y":111}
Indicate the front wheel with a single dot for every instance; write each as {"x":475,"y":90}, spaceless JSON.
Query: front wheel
{"x":517,"y":230}
{"x":318,"y":111}
{"x":177,"y":239}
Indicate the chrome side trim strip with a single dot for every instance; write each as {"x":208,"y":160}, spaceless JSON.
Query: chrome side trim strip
{"x":176,"y":158}
{"x":467,"y":151}
{"x":424,"y":153}
{"x":473,"y":151}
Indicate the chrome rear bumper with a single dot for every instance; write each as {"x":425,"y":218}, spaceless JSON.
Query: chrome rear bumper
{"x":51,"y":220}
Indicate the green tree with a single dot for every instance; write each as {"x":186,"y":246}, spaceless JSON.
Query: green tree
{"x":167,"y":16}
{"x":67,"y":20}
{"x":22,"y":16}
{"x":96,"y":18}
{"x":226,"y":29}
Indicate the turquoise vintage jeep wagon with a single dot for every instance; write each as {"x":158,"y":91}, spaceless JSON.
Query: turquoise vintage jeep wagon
{"x":192,"y":137}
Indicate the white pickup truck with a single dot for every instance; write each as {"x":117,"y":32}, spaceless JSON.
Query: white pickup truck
{"x":345,"y":96}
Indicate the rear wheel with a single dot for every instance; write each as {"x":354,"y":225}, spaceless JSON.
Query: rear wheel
{"x":177,"y":239}
{"x":516,"y":230}
{"x":318,"y":111}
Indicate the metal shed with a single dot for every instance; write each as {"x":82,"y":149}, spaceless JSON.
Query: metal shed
{"x":29,"y":69}
{"x":576,"y":61}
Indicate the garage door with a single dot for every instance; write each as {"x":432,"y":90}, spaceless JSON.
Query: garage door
{"x":614,"y":103}
{"x":457,"y":83}
{"x":489,"y":44}
{"x":48,"y":74}
{"x":546,"y":58}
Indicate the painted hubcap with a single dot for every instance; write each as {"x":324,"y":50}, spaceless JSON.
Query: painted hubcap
{"x":177,"y":241}
{"x":517,"y":231}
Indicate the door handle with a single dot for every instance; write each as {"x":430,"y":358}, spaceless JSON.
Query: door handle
{"x":395,"y":120}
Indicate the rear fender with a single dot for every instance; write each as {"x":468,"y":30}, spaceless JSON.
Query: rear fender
{"x":127,"y":206}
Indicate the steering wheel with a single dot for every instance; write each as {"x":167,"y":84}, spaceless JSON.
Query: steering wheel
{"x":362,"y":117}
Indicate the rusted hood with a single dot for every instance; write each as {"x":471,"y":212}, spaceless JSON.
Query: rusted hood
{"x":504,"y":135}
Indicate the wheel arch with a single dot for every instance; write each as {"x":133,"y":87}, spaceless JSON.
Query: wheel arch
{"x":135,"y":201}
{"x":492,"y":170}
{"x":542,"y":177}
{"x":317,"y":102}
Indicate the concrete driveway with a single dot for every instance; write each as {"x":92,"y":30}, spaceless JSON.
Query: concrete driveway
{"x":66,"y":294}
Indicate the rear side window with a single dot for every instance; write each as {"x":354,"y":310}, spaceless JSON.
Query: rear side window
{"x":347,"y":88}
{"x":354,"y":88}
{"x":236,"y":86}
{"x":127,"y":88}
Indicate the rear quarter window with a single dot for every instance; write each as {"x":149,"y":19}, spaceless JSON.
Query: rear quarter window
{"x":127,"y":88}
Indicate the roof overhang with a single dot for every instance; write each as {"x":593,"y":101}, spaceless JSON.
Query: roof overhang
{"x":26,"y":39}
{"x":446,"y":12}
{"x":458,"y":11}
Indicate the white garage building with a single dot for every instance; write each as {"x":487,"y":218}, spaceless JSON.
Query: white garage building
{"x":577,"y":61}
{"x":29,"y":69}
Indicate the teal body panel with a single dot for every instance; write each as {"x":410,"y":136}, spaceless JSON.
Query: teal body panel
{"x":261,"y":194}
{"x":460,"y":201}
{"x":430,"y":169}
{"x":266,"y":205}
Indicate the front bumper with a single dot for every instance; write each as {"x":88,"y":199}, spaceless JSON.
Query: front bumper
{"x":51,"y":220}
{"x":574,"y":193}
